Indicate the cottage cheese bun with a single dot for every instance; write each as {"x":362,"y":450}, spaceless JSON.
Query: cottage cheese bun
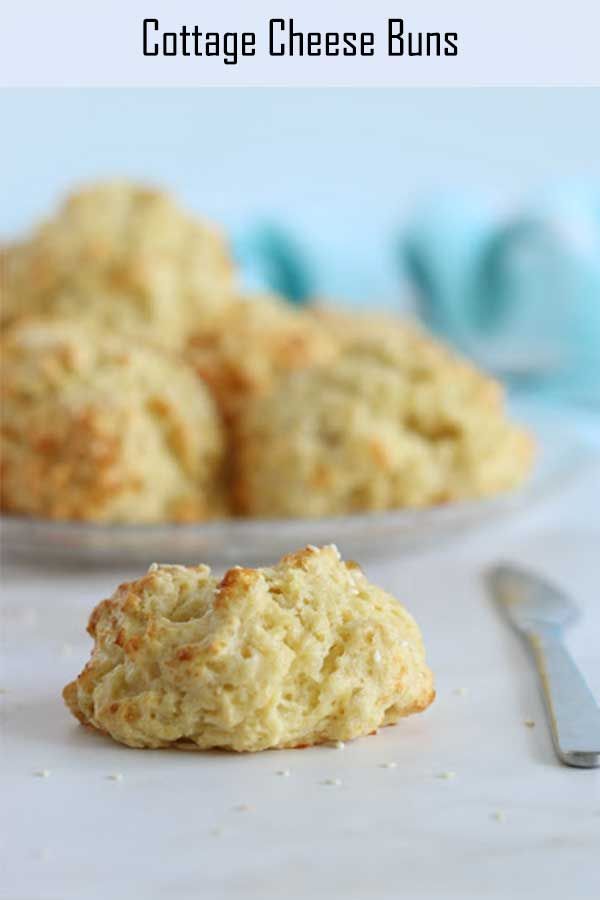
{"x":98,"y":427}
{"x":125,"y":257}
{"x":301,"y":653}
{"x":242,"y":353}
{"x":397,"y":421}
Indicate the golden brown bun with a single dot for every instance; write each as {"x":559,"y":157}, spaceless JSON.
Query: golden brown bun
{"x":97,"y":427}
{"x":397,"y":420}
{"x":304,"y":652}
{"x":125,"y":257}
{"x":243,"y":352}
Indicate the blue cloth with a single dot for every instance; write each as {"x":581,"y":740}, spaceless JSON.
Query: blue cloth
{"x":521,"y":293}
{"x":272,"y":259}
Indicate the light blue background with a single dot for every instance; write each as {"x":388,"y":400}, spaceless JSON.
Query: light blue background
{"x":341,"y":168}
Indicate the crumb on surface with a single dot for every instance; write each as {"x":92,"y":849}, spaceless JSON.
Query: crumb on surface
{"x":42,"y":773}
{"x":388,"y":765}
{"x":446,"y":776}
{"x":115,"y":776}
{"x":499,"y":815}
{"x":529,"y":723}
{"x":461,"y":691}
{"x":284,"y":772}
{"x":335,"y":782}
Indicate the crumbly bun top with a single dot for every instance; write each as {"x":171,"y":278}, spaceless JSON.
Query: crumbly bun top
{"x":300,"y":653}
{"x":95,"y":426}
{"x":243,"y":352}
{"x":397,"y":420}
{"x":349,"y":326}
{"x":124,"y":256}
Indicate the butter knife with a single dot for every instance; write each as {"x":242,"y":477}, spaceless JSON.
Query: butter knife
{"x":540,"y":612}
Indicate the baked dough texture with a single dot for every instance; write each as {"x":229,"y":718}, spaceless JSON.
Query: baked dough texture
{"x":96,"y":427}
{"x":396,"y":421}
{"x":242,"y":353}
{"x":301,"y":653}
{"x":349,"y":326}
{"x":125,"y":257}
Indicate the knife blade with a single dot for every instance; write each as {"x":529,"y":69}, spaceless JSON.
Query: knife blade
{"x":540,"y":612}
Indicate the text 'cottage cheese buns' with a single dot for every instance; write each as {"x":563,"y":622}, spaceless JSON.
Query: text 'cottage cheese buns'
{"x":97,"y":427}
{"x":301,"y":653}
{"x":396,"y":421}
{"x":124,"y":256}
{"x":243,"y":352}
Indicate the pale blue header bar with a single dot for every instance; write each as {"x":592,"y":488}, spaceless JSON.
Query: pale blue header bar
{"x":497,"y":42}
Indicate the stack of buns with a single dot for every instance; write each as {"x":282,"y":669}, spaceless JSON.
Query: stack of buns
{"x":140,"y":385}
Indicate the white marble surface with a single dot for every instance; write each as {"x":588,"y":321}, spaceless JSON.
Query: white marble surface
{"x":172,"y":827}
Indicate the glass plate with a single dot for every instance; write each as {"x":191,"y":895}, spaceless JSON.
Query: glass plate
{"x":564,"y":450}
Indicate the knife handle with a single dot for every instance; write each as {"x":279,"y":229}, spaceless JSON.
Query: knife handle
{"x":572,"y":710}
